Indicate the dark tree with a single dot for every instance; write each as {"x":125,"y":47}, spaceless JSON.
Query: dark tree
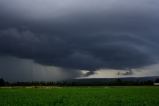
{"x":157,"y":80}
{"x":2,"y":82}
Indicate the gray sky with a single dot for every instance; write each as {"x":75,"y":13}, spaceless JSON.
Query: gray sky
{"x":69,"y":36}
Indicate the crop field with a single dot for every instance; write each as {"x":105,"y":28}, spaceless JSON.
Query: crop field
{"x":80,"y":96}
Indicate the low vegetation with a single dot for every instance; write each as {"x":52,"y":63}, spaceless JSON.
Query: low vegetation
{"x":80,"y":96}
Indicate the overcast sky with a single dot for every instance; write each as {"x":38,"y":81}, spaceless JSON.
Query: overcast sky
{"x":61,"y":39}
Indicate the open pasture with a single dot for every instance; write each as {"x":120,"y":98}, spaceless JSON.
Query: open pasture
{"x":80,"y":96}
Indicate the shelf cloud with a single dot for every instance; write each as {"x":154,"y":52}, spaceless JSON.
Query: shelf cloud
{"x":81,"y":34}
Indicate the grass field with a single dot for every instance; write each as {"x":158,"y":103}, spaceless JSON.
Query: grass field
{"x":80,"y":96}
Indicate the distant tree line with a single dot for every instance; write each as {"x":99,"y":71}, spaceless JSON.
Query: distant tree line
{"x":116,"y":82}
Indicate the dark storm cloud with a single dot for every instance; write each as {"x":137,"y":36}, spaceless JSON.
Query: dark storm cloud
{"x":78,"y":35}
{"x":15,"y":69}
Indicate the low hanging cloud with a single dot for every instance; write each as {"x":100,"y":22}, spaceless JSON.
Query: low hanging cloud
{"x":126,"y":52}
{"x":81,"y":35}
{"x":14,"y":69}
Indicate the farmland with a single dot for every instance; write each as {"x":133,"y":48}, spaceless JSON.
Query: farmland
{"x":80,"y":96}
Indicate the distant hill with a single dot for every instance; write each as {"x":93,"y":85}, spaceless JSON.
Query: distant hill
{"x":114,"y":81}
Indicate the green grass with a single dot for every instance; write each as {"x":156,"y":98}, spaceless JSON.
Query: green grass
{"x":80,"y":96}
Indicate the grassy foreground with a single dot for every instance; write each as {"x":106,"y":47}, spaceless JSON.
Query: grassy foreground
{"x":80,"y":96}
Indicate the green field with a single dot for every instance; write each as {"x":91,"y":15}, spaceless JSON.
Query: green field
{"x":80,"y":96}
